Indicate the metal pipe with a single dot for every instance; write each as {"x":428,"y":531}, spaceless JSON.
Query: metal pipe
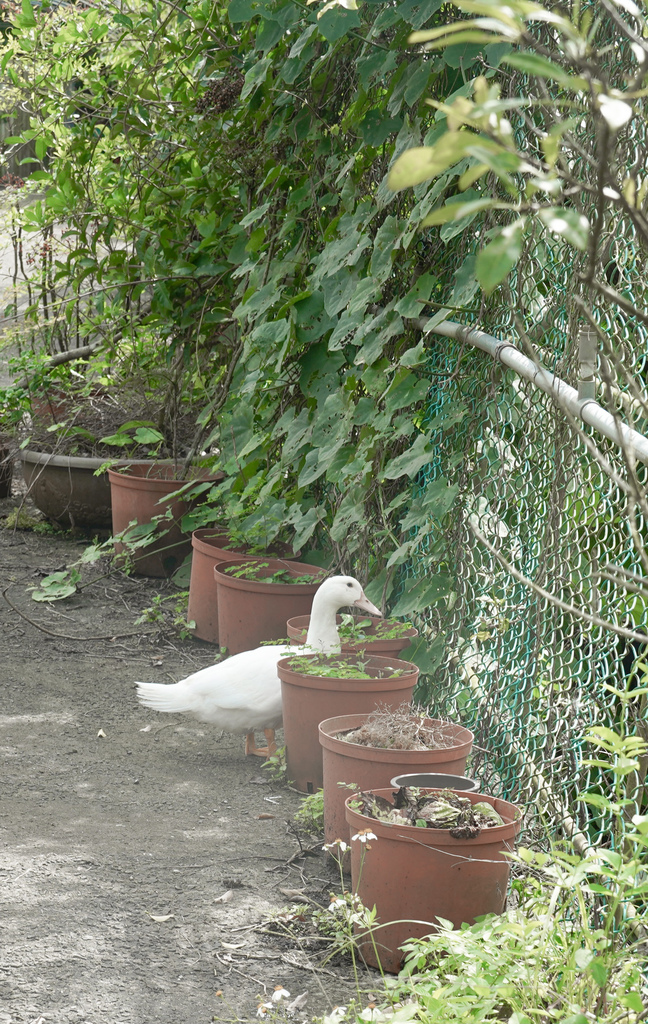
{"x":586,"y":409}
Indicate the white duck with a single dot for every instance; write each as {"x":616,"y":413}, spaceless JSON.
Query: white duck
{"x":243,"y":693}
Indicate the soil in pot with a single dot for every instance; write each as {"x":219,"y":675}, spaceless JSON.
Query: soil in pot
{"x":414,"y":872}
{"x":361,"y":684}
{"x":211,"y":546}
{"x":143,"y":491}
{"x":257,"y":596}
{"x":385,"y":637}
{"x":367,"y":751}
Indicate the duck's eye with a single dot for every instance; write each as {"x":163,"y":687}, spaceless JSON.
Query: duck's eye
{"x":349,"y":584}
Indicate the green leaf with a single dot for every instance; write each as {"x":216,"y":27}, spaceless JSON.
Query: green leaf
{"x":632,"y":1000}
{"x":411,"y":461}
{"x":422,"y":594}
{"x":414,"y":356}
{"x":541,"y":67}
{"x":240,"y":10}
{"x":417,"y":80}
{"x":599,"y":972}
{"x":119,"y":440}
{"x":335,"y":23}
{"x":466,"y":284}
{"x":583,"y":958}
{"x":458,"y":208}
{"x":27,"y":20}
{"x":499,"y":257}
{"x":463,"y":55}
{"x":376,"y":128}
{"x":422,"y":162}
{"x":568,"y":224}
{"x":147,"y":435}
{"x":255,"y":76}
{"x":432,"y":35}
{"x":427,"y":655}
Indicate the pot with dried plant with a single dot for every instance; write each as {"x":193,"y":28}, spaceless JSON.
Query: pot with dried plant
{"x":366,"y":751}
{"x":420,"y":855}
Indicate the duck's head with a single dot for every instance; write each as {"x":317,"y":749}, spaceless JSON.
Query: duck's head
{"x":343,"y":591}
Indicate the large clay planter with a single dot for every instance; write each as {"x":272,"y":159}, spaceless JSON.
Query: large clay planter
{"x":6,"y":469}
{"x":309,"y":700}
{"x":389,"y":648}
{"x":211,"y":546}
{"x":412,"y":876}
{"x":252,"y":610}
{"x":66,"y":490}
{"x":374,"y":767}
{"x":140,"y":492}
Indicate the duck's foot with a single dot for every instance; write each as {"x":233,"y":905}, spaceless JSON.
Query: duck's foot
{"x":251,"y":747}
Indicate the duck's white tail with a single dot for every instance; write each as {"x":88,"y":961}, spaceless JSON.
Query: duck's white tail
{"x":163,"y":696}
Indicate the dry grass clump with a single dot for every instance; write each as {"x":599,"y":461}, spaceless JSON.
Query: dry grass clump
{"x":402,"y":728}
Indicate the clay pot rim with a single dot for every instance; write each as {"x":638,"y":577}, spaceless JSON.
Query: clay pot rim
{"x":299,"y":626}
{"x":155,"y":484}
{"x":67,"y":461}
{"x":203,"y":540}
{"x":293,"y":677}
{"x":259,"y":586}
{"x":330,"y":726}
{"x":439,"y":836}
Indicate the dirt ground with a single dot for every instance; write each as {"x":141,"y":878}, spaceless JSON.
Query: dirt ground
{"x":112,"y":817}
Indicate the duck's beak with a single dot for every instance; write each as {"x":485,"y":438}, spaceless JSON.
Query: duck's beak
{"x":366,"y":606}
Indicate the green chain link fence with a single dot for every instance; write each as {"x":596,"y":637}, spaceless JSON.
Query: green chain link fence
{"x":526,"y":676}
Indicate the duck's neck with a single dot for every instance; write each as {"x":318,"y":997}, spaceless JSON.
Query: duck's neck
{"x":322,"y":630}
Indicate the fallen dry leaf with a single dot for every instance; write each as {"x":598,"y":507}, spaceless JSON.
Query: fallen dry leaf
{"x":265,"y":816}
{"x":292,"y":894}
{"x":233,"y":945}
{"x":161,"y":918}
{"x":147,"y":728}
{"x":225,"y":898}
{"x":101,"y":733}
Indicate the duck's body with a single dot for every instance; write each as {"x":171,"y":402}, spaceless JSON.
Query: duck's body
{"x":243,"y":693}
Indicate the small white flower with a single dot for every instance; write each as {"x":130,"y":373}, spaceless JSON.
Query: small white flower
{"x":279,"y":994}
{"x":371,"y":1012}
{"x":336,"y":901}
{"x":364,"y":836}
{"x":337,"y":844}
{"x":263,"y":1009}
{"x":336,"y":1015}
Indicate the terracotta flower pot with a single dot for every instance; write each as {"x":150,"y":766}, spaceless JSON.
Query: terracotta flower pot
{"x":374,"y":767}
{"x":211,"y":546}
{"x":140,"y":492}
{"x":66,"y":490}
{"x":412,"y":876}
{"x":309,"y":700}
{"x":253,"y":610}
{"x":385,"y":648}
{"x":52,"y":406}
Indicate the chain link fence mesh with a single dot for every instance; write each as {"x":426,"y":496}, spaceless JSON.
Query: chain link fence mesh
{"x":526,"y":676}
